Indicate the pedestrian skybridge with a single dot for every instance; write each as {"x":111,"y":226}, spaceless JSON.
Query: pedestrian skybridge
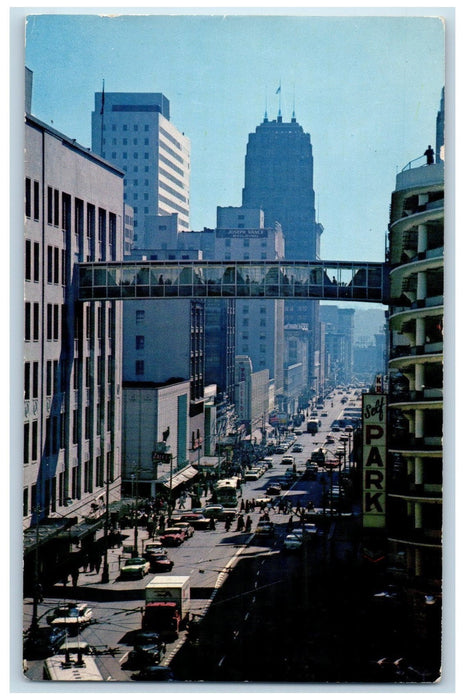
{"x":186,"y":279}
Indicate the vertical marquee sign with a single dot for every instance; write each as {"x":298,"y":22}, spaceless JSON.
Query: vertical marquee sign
{"x":374,"y":459}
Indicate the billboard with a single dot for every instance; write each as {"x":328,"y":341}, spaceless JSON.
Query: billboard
{"x":374,"y":417}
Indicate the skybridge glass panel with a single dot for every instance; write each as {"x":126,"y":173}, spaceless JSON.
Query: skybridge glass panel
{"x":114,"y":282}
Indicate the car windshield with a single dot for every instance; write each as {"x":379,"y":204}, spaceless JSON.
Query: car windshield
{"x":135,"y":562}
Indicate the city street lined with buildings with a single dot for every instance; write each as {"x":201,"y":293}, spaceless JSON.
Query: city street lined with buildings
{"x":222,"y":479}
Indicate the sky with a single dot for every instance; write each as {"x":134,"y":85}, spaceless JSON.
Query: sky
{"x":365,"y":87}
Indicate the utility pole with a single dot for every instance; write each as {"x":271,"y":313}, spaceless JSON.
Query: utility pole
{"x":105,"y":572}
{"x":35,"y":599}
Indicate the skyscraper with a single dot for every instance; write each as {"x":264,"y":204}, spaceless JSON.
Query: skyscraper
{"x":279,"y":180}
{"x":133,"y":131}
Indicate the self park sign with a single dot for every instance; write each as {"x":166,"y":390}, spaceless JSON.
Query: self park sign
{"x":374,"y":421}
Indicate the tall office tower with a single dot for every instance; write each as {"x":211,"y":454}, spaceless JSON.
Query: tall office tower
{"x":74,"y":212}
{"x":415,"y":476}
{"x":133,"y":131}
{"x":339,"y":342}
{"x":279,"y":180}
{"x":241,"y":235}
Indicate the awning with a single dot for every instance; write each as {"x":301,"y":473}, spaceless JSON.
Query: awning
{"x":178,"y":478}
{"x":44,"y":532}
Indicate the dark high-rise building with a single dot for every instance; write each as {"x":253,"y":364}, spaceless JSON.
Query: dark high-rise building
{"x":279,"y":180}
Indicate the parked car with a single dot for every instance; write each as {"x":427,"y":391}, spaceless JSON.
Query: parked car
{"x":71,"y":616}
{"x":45,"y":641}
{"x":173,"y":537}
{"x":151,"y":549}
{"x":184,"y":525}
{"x":153,"y":673}
{"x":197,"y":520}
{"x":160,"y":562}
{"x":137,"y":567}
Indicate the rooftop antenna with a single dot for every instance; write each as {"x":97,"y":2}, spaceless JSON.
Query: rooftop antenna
{"x":278,"y":92}
{"x":102,"y":111}
{"x":293,"y":103}
{"x":265,"y":119}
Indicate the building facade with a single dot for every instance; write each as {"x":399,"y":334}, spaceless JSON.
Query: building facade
{"x":279,"y":180}
{"x":74,"y":212}
{"x":416,"y":249}
{"x":134,"y":131}
{"x":241,"y":235}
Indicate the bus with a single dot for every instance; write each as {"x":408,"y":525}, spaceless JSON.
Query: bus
{"x":227,"y":491}
{"x":71,"y":667}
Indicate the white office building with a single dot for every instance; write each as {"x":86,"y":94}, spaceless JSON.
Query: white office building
{"x":134,"y":131}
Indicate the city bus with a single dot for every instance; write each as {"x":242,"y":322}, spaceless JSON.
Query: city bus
{"x":227,"y":491}
{"x":71,"y":667}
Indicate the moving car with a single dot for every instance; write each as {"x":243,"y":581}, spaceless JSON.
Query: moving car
{"x":71,"y":616}
{"x":292,"y":542}
{"x":160,"y":562}
{"x":298,"y":447}
{"x":137,"y":567}
{"x":274,"y":489}
{"x":287,"y":460}
{"x":264,"y":529}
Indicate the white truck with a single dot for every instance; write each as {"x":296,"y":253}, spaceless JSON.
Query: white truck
{"x":167,"y":602}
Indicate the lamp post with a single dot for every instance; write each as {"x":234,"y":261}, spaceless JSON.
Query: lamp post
{"x":105,"y":572}
{"x":135,"y":508}
{"x":35,"y":599}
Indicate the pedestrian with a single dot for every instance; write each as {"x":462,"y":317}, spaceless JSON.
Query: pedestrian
{"x":74,"y":577}
{"x":212,"y":525}
{"x":429,"y":153}
{"x":248,"y":524}
{"x":227,"y":524}
{"x":240,"y":523}
{"x":98,"y":562}
{"x":39,"y":593}
{"x":289,"y":524}
{"x":242,"y":505}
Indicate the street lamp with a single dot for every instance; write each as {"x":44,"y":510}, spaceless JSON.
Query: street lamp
{"x":135,"y":508}
{"x":105,"y":572}
{"x":35,"y":600}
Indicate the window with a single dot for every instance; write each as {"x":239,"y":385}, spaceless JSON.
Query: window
{"x":140,"y":342}
{"x":140,"y":316}
{"x":35,"y":321}
{"x":34,"y":441}
{"x":25,"y":502}
{"x":36,"y":262}
{"x":98,"y":471}
{"x":36,"y":202}
{"x":27,"y":259}
{"x":56,"y":266}
{"x":26,"y":443}
{"x":56,"y":321}
{"x":49,"y":264}
{"x":27,"y":198}
{"x":35,"y":380}
{"x":27,"y":321}
{"x":87,"y":423}
{"x":87,"y":477}
{"x":75,"y":426}
{"x":139,"y":368}
{"x":27,"y":380}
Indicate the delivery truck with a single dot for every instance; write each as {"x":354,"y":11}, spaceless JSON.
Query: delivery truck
{"x":312,"y":426}
{"x":167,"y":601}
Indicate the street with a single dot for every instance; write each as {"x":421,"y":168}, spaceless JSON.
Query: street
{"x":263,"y":613}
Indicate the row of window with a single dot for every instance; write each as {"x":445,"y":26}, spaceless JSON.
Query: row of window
{"x":125,"y":127}
{"x":55,"y":431}
{"x":124,"y":142}
{"x":92,"y":477}
{"x":88,"y":219}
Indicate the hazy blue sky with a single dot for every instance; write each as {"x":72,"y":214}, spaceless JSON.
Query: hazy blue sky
{"x":366,"y":89}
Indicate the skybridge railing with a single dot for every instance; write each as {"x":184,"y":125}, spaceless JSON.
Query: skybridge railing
{"x":186,"y":279}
